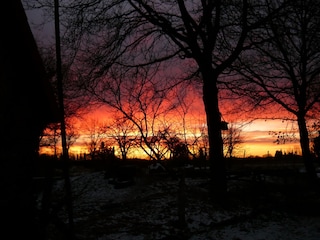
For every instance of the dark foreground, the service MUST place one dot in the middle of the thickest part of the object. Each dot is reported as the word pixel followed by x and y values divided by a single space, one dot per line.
pixel 271 204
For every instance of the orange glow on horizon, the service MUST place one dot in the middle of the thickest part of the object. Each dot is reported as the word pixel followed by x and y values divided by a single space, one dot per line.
pixel 256 138
pixel 263 149
pixel 257 142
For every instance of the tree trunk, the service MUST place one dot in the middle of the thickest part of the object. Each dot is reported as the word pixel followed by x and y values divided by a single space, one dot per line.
pixel 305 148
pixel 217 162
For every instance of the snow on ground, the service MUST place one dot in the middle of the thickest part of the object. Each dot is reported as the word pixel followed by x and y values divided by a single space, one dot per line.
pixel 149 210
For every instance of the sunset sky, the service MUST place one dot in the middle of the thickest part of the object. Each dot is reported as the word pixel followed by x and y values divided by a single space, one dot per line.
pixel 256 137
pixel 257 140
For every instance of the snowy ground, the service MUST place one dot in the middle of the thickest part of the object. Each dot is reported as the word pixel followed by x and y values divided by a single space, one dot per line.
pixel 149 210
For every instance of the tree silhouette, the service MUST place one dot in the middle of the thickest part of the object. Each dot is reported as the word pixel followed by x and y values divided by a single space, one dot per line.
pixel 95 136
pixel 232 139
pixel 201 38
pixel 284 69
pixel 121 131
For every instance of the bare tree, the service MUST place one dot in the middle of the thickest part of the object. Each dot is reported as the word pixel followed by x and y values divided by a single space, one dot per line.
pixel 232 139
pixel 207 35
pixel 289 134
pixel 95 135
pixel 138 97
pixel 284 70
pixel 122 132
pixel 72 133
pixel 50 137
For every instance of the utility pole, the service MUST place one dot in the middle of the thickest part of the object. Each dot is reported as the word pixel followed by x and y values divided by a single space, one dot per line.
pixel 65 156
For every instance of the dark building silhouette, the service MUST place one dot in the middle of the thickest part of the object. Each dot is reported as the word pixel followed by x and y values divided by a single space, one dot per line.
pixel 316 145
pixel 27 106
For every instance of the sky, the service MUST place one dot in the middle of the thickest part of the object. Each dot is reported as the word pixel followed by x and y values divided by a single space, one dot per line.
pixel 257 140
pixel 256 137
pixel 42 31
